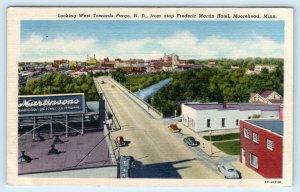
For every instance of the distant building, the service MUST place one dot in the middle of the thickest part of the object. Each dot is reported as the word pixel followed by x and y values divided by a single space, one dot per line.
pixel 157 65
pixel 189 67
pixel 212 64
pixel 118 60
pixel 267 97
pixel 235 66
pixel 63 66
pixel 207 117
pixel 132 69
pixel 56 63
pixel 261 146
pixel 258 68
pixel 78 73
pixel 72 64
pixel 250 71
pixel 107 64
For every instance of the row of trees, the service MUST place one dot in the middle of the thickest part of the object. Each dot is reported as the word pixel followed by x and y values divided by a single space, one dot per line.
pixel 210 84
pixel 59 83
pixel 215 85
pixel 249 62
pixel 138 82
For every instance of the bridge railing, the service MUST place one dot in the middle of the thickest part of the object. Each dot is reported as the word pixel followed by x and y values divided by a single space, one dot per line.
pixel 147 105
pixel 99 89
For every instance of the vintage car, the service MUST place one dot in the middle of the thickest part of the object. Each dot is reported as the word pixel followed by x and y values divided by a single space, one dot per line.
pixel 190 141
pixel 120 141
pixel 229 171
pixel 174 128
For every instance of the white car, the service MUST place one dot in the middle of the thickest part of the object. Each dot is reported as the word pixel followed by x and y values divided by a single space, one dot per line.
pixel 229 171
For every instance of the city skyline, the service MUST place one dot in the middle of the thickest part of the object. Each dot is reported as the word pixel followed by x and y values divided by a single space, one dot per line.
pixel 74 40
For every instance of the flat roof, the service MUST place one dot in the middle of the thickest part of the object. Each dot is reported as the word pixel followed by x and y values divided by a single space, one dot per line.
pixel 79 151
pixel 273 125
pixel 235 106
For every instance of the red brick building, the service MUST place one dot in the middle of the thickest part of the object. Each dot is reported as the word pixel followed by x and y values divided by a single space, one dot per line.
pixel 261 146
pixel 131 69
pixel 56 63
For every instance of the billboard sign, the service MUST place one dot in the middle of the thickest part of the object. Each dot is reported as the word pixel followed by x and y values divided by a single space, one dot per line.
pixel 58 104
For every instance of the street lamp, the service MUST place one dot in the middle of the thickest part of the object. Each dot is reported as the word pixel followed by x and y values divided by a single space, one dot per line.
pixel 210 142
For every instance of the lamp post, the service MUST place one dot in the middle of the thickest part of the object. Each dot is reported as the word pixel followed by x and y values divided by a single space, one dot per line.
pixel 210 142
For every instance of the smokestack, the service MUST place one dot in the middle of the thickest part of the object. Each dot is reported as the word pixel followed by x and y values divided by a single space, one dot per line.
pixel 94 56
pixel 224 104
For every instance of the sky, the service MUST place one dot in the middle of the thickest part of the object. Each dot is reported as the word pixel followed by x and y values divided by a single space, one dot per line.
pixel 74 40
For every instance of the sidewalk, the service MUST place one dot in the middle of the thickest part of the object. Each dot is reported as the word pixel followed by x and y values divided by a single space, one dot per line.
pixel 216 154
pixel 146 108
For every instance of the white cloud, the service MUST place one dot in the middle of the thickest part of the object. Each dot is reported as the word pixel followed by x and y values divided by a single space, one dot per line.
pixel 39 47
pixel 187 46
pixel 184 43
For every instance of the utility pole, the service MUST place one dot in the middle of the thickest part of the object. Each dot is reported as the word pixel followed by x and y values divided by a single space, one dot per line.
pixel 210 142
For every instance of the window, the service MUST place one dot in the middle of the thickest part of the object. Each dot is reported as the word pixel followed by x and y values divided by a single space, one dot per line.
pixel 246 133
pixel 237 122
pixel 208 123
pixel 249 117
pixel 253 161
pixel 255 138
pixel 223 122
pixel 270 144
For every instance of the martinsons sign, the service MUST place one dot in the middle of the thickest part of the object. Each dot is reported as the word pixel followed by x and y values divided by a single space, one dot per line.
pixel 41 105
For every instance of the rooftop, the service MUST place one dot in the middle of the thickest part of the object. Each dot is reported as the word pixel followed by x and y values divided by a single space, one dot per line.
pixel 272 125
pixel 266 93
pixel 76 152
pixel 241 107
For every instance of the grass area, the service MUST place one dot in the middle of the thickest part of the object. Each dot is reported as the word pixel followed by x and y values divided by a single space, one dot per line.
pixel 224 137
pixel 229 147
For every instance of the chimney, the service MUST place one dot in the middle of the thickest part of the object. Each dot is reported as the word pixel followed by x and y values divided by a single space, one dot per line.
pixel 224 104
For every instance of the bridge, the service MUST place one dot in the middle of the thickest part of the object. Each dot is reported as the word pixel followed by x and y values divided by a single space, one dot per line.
pixel 158 152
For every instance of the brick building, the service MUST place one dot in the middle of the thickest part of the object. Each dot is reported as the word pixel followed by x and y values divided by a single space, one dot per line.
pixel 262 146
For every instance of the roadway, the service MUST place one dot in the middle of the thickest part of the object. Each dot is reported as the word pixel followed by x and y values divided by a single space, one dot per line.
pixel 159 153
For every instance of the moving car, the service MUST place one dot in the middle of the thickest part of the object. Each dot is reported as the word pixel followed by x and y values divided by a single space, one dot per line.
pixel 229 171
pixel 190 141
pixel 174 128
pixel 120 141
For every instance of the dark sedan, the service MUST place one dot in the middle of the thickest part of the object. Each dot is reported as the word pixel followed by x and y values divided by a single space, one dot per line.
pixel 190 141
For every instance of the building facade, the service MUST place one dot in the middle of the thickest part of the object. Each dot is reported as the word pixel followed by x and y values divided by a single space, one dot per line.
pixel 268 97
pixel 210 117
pixel 261 146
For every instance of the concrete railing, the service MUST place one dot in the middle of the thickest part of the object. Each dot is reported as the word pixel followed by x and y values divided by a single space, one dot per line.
pixel 107 104
pixel 141 102
pixel 112 154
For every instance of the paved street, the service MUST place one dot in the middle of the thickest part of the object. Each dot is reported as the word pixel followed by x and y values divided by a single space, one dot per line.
pixel 160 154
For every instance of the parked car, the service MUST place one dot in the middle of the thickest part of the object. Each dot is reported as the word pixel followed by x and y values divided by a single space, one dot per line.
pixel 120 141
pixel 229 171
pixel 132 162
pixel 174 128
pixel 190 141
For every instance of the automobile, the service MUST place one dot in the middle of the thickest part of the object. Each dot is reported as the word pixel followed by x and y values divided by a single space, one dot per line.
pixel 190 141
pixel 120 141
pixel 174 128
pixel 229 171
